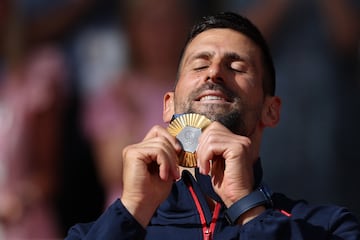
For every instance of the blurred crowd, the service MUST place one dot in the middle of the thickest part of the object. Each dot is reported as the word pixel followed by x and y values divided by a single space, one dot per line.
pixel 81 79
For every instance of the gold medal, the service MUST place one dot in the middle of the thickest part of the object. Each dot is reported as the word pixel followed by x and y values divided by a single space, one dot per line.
pixel 187 128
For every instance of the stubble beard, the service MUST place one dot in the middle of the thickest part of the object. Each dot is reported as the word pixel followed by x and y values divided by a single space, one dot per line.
pixel 233 119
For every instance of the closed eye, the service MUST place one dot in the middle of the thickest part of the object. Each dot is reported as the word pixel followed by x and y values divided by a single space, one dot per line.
pixel 238 66
pixel 200 68
pixel 200 64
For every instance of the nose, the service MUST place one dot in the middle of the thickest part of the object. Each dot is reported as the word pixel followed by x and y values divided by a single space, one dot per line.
pixel 215 73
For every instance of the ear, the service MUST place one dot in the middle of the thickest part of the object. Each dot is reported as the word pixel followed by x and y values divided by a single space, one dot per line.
pixel 168 108
pixel 271 111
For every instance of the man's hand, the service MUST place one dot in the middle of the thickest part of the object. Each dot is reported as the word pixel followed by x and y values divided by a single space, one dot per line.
pixel 229 160
pixel 149 171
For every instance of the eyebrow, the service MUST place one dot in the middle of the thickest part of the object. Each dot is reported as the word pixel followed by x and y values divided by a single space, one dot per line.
pixel 234 56
pixel 208 55
pixel 201 55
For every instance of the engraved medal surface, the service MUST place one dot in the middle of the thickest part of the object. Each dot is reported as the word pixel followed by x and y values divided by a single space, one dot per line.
pixel 188 138
pixel 187 128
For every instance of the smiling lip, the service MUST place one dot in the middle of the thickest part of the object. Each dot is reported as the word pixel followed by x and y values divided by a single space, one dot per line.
pixel 212 96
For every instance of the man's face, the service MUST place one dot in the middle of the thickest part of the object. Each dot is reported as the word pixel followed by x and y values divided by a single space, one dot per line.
pixel 221 77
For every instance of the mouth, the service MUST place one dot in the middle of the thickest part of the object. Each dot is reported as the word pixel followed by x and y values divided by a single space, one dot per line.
pixel 213 97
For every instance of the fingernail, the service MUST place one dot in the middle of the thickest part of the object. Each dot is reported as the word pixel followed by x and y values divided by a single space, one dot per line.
pixel 178 146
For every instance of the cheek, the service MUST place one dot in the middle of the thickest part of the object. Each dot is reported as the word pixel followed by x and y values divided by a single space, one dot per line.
pixel 181 99
pixel 186 85
pixel 250 92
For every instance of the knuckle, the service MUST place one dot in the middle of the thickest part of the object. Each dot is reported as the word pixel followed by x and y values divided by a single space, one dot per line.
pixel 247 142
pixel 157 128
pixel 127 151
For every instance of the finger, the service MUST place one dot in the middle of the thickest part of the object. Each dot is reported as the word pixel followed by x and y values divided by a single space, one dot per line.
pixel 217 171
pixel 168 161
pixel 217 142
pixel 151 153
pixel 158 131
pixel 160 151
pixel 212 144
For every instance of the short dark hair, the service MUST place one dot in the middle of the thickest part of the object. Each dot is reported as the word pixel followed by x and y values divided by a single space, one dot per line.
pixel 245 26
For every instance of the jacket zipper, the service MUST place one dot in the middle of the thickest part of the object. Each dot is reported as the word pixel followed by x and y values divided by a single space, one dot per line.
pixel 207 230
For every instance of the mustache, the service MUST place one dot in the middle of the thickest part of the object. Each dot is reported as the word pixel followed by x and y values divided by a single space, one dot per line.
pixel 215 87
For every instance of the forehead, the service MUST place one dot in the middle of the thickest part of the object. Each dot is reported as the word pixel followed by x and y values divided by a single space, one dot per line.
pixel 222 41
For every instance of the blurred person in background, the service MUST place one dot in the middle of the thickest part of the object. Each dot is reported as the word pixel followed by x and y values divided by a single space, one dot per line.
pixel 32 99
pixel 120 113
pixel 318 81
pixel 35 115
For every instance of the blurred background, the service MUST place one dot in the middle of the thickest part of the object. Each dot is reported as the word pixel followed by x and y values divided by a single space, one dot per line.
pixel 80 79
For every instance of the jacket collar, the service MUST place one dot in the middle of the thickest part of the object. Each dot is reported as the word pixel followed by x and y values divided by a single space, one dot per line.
pixel 204 181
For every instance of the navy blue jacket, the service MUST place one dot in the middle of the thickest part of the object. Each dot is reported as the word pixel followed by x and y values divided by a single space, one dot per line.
pixel 178 218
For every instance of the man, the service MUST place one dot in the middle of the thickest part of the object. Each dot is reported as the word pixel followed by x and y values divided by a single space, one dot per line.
pixel 226 74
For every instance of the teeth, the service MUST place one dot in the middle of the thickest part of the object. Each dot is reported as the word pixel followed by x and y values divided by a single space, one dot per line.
pixel 211 98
